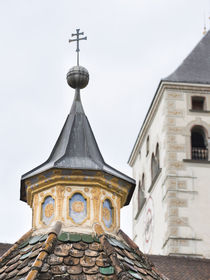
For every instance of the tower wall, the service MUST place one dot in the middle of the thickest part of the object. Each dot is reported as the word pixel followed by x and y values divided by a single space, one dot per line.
pixel 180 196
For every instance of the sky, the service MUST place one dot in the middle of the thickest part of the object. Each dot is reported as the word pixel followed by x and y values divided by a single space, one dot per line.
pixel 131 45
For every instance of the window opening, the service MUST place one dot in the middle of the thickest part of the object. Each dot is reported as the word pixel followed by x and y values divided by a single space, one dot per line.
pixel 199 144
pixel 147 146
pixel 198 103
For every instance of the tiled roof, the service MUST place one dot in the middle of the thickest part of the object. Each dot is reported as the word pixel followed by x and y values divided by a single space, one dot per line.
pixel 4 247
pixel 182 268
pixel 196 66
pixel 76 256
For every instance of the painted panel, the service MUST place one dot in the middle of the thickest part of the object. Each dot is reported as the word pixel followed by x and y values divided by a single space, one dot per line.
pixel 78 208
pixel 107 213
pixel 48 210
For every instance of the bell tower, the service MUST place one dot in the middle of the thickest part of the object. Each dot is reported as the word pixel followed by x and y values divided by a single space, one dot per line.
pixel 171 162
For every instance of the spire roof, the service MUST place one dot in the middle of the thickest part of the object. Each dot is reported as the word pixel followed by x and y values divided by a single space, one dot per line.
pixel 196 66
pixel 76 147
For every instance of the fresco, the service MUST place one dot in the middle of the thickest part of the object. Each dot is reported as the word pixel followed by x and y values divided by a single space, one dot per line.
pixel 107 213
pixel 78 208
pixel 48 209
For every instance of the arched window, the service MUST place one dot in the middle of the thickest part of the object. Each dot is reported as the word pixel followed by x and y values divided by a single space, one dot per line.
pixel 155 165
pixel 157 155
pixel 147 146
pixel 141 196
pixel 199 143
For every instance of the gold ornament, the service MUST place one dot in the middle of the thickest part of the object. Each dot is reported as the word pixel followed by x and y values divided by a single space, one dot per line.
pixel 49 210
pixel 78 206
pixel 106 214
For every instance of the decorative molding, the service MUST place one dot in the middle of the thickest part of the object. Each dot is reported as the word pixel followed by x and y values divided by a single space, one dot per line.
pixel 60 199
pixel 96 195
pixel 99 180
pixel 88 207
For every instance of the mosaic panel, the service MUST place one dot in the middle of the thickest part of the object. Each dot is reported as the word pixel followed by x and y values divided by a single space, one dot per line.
pixel 48 210
pixel 78 208
pixel 107 213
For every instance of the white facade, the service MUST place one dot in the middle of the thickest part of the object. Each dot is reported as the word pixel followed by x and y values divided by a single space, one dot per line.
pixel 174 217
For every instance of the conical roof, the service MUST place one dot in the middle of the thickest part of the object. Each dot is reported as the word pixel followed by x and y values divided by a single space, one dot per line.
pixel 76 147
pixel 196 66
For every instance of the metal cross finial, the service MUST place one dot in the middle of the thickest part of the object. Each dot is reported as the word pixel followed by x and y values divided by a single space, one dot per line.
pixel 77 40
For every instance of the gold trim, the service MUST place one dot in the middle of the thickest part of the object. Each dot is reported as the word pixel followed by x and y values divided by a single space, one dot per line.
pixel 79 180
pixel 60 199
pixel 118 211
pixel 35 209
pixel 88 207
pixel 55 207
pixel 96 197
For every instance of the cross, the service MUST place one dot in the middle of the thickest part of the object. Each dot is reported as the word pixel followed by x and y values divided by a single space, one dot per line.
pixel 77 40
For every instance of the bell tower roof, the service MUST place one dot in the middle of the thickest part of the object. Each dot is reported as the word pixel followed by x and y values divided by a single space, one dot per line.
pixel 196 66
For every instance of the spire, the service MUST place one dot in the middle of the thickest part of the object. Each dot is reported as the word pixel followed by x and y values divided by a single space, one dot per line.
pixel 76 147
pixel 196 66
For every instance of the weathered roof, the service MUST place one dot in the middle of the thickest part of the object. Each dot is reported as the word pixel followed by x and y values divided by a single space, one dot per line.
pixel 76 256
pixel 76 147
pixel 196 66
pixel 182 268
pixel 4 247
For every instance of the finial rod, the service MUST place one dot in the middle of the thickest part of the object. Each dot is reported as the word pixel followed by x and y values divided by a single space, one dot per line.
pixel 77 34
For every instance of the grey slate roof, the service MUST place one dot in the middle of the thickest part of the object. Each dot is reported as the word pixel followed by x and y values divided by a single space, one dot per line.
pixel 76 147
pixel 196 66
pixel 182 267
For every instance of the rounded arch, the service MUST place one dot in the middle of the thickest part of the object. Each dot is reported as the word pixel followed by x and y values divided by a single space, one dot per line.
pixel 140 196
pixel 199 143
pixel 187 134
pixel 143 182
pixel 157 155
pixel 155 163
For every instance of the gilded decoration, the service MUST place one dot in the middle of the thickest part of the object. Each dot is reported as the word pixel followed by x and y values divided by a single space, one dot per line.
pixel 60 198
pixel 78 208
pixel 35 209
pixel 118 209
pixel 48 210
pixel 98 181
pixel 96 195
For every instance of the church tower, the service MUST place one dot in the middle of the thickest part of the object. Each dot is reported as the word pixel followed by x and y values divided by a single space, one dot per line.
pixel 171 162
pixel 76 200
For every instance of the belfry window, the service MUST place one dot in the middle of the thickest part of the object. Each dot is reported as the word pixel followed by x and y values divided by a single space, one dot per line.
pixel 199 143
pixel 155 166
pixel 140 196
pixel 198 103
pixel 147 146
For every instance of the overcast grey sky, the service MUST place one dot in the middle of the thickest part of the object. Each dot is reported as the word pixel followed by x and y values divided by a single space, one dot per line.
pixel 131 46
